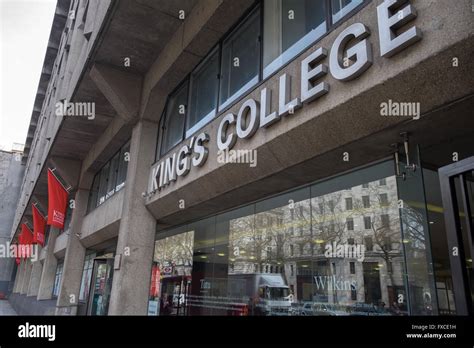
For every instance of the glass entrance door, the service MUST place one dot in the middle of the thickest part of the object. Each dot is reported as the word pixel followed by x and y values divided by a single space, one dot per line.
pixel 457 188
pixel 101 286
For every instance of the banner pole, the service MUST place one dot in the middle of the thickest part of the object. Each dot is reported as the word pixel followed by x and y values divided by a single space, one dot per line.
pixel 52 172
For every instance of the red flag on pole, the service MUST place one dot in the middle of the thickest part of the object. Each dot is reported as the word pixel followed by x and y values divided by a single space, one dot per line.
pixel 27 240
pixel 39 225
pixel 57 201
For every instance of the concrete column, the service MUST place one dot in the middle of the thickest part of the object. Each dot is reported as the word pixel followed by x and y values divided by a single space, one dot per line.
pixel 35 277
pixel 26 278
pixel 15 282
pixel 74 260
pixel 137 229
pixel 45 291
pixel 19 277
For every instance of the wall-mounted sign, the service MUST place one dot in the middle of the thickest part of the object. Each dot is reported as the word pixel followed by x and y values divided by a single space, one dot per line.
pixel 345 64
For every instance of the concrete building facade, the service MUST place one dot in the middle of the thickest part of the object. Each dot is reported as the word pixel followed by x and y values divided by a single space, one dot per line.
pixel 253 158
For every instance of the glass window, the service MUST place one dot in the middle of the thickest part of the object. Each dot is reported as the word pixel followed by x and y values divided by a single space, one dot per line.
pixel 383 199
pixel 240 60
pixel 57 279
pixel 369 244
pixel 366 201
pixel 382 182
pixel 104 180
pixel 203 93
pixel 175 115
pixel 349 203
pixel 342 7
pixel 289 27
pixel 350 224
pixel 86 277
pixel 248 262
pixel 385 220
pixel 113 173
pixel 170 286
pixel 123 166
pixel 204 257
pixel 367 222
pixel 93 194
pixel 110 178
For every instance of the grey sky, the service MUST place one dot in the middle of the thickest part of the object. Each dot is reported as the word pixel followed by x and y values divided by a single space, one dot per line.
pixel 24 32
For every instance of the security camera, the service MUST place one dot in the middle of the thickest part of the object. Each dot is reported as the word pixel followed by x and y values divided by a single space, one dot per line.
pixel 144 195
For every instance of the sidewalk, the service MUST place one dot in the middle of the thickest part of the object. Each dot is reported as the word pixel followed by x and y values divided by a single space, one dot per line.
pixel 6 308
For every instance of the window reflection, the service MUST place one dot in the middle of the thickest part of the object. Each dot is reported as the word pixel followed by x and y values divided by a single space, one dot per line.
pixel 320 250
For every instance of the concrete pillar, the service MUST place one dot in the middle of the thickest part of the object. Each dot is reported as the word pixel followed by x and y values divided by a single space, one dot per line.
pixel 68 297
pixel 35 277
pixel 46 286
pixel 137 229
pixel 19 277
pixel 15 282
pixel 26 278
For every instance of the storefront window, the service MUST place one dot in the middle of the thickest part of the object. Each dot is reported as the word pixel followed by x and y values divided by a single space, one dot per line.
pixel 290 26
pixel 298 253
pixel 416 240
pixel 170 283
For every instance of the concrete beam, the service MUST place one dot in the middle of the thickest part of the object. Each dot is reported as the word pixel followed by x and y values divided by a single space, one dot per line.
pixel 199 32
pixel 122 89
pixel 68 169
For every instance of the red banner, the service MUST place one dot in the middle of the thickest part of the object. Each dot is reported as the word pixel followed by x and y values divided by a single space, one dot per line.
pixel 26 239
pixel 39 225
pixel 57 202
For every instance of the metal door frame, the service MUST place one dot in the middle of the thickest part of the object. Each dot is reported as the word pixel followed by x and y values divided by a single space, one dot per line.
pixel 462 292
